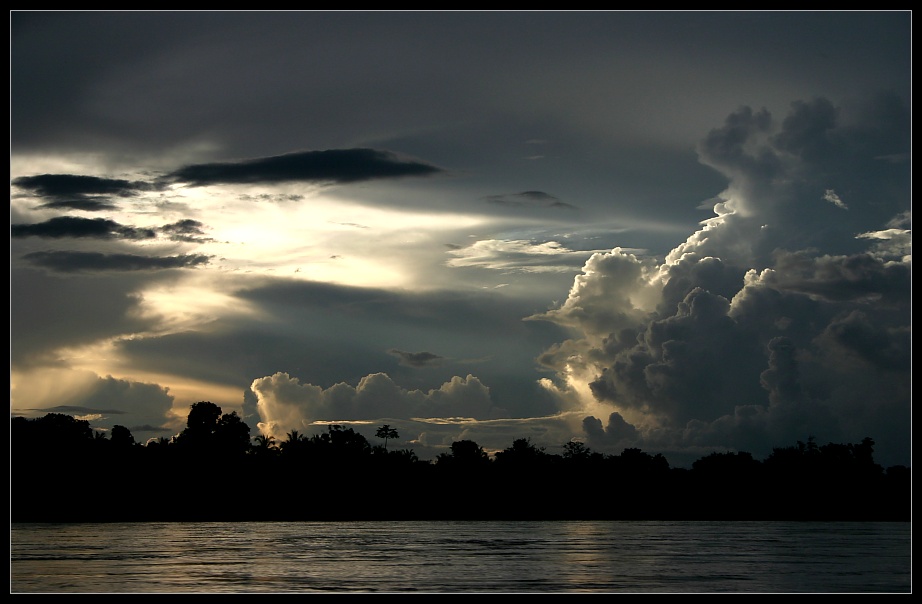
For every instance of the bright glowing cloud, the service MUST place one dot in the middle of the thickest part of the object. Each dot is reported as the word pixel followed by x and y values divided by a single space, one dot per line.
pixel 285 404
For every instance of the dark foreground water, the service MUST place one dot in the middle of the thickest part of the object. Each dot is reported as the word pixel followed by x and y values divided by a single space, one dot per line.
pixel 461 557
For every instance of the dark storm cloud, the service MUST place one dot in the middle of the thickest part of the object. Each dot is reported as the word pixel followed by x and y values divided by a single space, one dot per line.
pixel 764 331
pixel 390 72
pixel 86 205
pixel 618 434
pixel 49 310
pixel 416 359
pixel 880 346
pixel 71 226
pixel 76 185
pixel 854 277
pixel 784 174
pixel 538 199
pixel 673 368
pixel 79 192
pixel 330 166
pixel 70 262
pixel 187 230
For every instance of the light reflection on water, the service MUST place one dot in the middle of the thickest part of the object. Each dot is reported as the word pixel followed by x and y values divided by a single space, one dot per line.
pixel 454 557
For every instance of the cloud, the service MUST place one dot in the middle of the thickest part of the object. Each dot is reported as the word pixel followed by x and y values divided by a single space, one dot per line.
pixel 834 199
pixel 535 199
pixel 320 332
pixel 416 359
pixel 71 226
pixel 354 225
pixel 330 166
pixel 615 436
pixel 285 404
pixel 187 230
pixel 79 192
pixel 517 256
pixel 276 197
pixel 83 204
pixel 104 401
pixel 78 410
pixel 745 336
pixel 895 241
pixel 779 176
pixel 70 262
pixel 859 278
pixel 612 293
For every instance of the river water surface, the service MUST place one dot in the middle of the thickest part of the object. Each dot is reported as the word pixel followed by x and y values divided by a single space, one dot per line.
pixel 462 557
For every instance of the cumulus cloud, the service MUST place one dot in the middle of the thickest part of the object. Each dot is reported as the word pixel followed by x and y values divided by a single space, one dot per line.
pixel 330 166
pixel 769 324
pixel 285 404
pixel 612 293
pixel 616 435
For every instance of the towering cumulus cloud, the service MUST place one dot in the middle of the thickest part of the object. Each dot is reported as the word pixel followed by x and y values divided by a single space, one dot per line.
pixel 785 316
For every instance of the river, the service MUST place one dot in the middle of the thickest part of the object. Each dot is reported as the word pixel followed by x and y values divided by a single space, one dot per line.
pixel 462 557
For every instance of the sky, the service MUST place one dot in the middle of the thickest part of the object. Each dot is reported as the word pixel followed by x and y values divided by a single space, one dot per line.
pixel 683 232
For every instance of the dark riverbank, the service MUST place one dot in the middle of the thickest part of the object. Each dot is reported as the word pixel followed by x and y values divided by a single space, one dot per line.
pixel 61 472
pixel 244 489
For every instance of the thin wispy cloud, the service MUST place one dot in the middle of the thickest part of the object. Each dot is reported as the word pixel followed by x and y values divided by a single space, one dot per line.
pixel 537 199
pixel 416 359
pixel 834 199
pixel 517 255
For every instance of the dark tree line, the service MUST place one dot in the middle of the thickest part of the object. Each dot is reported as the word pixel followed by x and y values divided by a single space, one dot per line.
pixel 62 470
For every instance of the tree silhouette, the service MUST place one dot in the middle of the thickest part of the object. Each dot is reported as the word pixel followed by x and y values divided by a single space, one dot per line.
pixel 231 434
pixel 203 417
pixel 801 482
pixel 522 455
pixel 345 443
pixel 386 432
pixel 464 453
pixel 265 444
pixel 293 444
pixel 209 432
pixel 576 451
pixel 121 436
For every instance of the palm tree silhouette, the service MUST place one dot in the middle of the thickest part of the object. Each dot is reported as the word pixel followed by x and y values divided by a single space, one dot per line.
pixel 264 443
pixel 386 432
